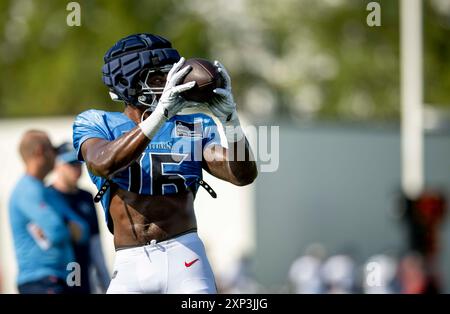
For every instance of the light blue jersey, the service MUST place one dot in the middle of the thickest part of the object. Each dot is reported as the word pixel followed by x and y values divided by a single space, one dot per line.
pixel 33 204
pixel 171 163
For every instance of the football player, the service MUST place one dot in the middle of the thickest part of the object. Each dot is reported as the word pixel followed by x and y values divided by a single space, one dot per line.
pixel 147 163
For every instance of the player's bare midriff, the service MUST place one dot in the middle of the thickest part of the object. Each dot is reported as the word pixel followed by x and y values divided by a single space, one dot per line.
pixel 138 219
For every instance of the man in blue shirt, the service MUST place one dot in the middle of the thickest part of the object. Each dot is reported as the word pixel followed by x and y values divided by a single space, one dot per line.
pixel 89 254
pixel 43 226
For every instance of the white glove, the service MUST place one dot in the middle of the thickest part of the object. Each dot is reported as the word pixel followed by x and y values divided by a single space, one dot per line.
pixel 170 102
pixel 224 107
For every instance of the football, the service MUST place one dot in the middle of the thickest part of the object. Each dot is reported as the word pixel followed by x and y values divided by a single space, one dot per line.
pixel 206 77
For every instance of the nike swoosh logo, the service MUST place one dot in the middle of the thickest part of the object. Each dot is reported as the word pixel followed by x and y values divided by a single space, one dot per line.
pixel 190 263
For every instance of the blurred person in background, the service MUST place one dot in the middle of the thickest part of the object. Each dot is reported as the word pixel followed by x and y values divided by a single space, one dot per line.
pixel 413 274
pixel 43 226
pixel 88 254
pixel 423 217
pixel 304 274
pixel 381 275
pixel 238 279
pixel 338 274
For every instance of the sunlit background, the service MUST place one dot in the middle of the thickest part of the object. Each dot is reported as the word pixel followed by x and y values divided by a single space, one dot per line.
pixel 312 67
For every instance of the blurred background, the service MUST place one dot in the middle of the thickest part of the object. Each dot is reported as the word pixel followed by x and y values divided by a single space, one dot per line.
pixel 333 217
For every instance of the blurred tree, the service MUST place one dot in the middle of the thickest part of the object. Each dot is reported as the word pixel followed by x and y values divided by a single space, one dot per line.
pixel 437 52
pixel 302 58
pixel 49 68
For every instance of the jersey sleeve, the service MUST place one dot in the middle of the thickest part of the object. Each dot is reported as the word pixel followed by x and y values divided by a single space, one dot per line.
pixel 211 133
pixel 89 124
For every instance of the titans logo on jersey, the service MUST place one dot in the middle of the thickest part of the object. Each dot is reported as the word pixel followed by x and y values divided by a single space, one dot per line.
pixel 171 163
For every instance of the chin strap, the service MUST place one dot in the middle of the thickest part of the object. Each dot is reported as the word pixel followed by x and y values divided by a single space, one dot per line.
pixel 143 100
pixel 146 110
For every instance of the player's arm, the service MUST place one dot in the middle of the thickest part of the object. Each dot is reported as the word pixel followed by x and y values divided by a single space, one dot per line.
pixel 236 163
pixel 105 158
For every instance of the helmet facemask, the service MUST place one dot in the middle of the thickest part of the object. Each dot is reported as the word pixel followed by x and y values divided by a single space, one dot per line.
pixel 151 85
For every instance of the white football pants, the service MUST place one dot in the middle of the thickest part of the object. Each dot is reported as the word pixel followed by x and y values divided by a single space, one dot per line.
pixel 177 265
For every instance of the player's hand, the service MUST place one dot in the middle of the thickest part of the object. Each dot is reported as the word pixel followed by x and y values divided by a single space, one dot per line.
pixel 171 102
pixel 223 105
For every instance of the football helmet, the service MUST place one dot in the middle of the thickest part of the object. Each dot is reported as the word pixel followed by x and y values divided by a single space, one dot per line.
pixel 130 64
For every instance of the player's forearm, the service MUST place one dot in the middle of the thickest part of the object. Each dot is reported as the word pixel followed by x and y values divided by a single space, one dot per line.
pixel 235 164
pixel 241 162
pixel 107 158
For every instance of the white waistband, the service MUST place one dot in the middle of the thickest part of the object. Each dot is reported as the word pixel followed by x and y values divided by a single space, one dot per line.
pixel 161 246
